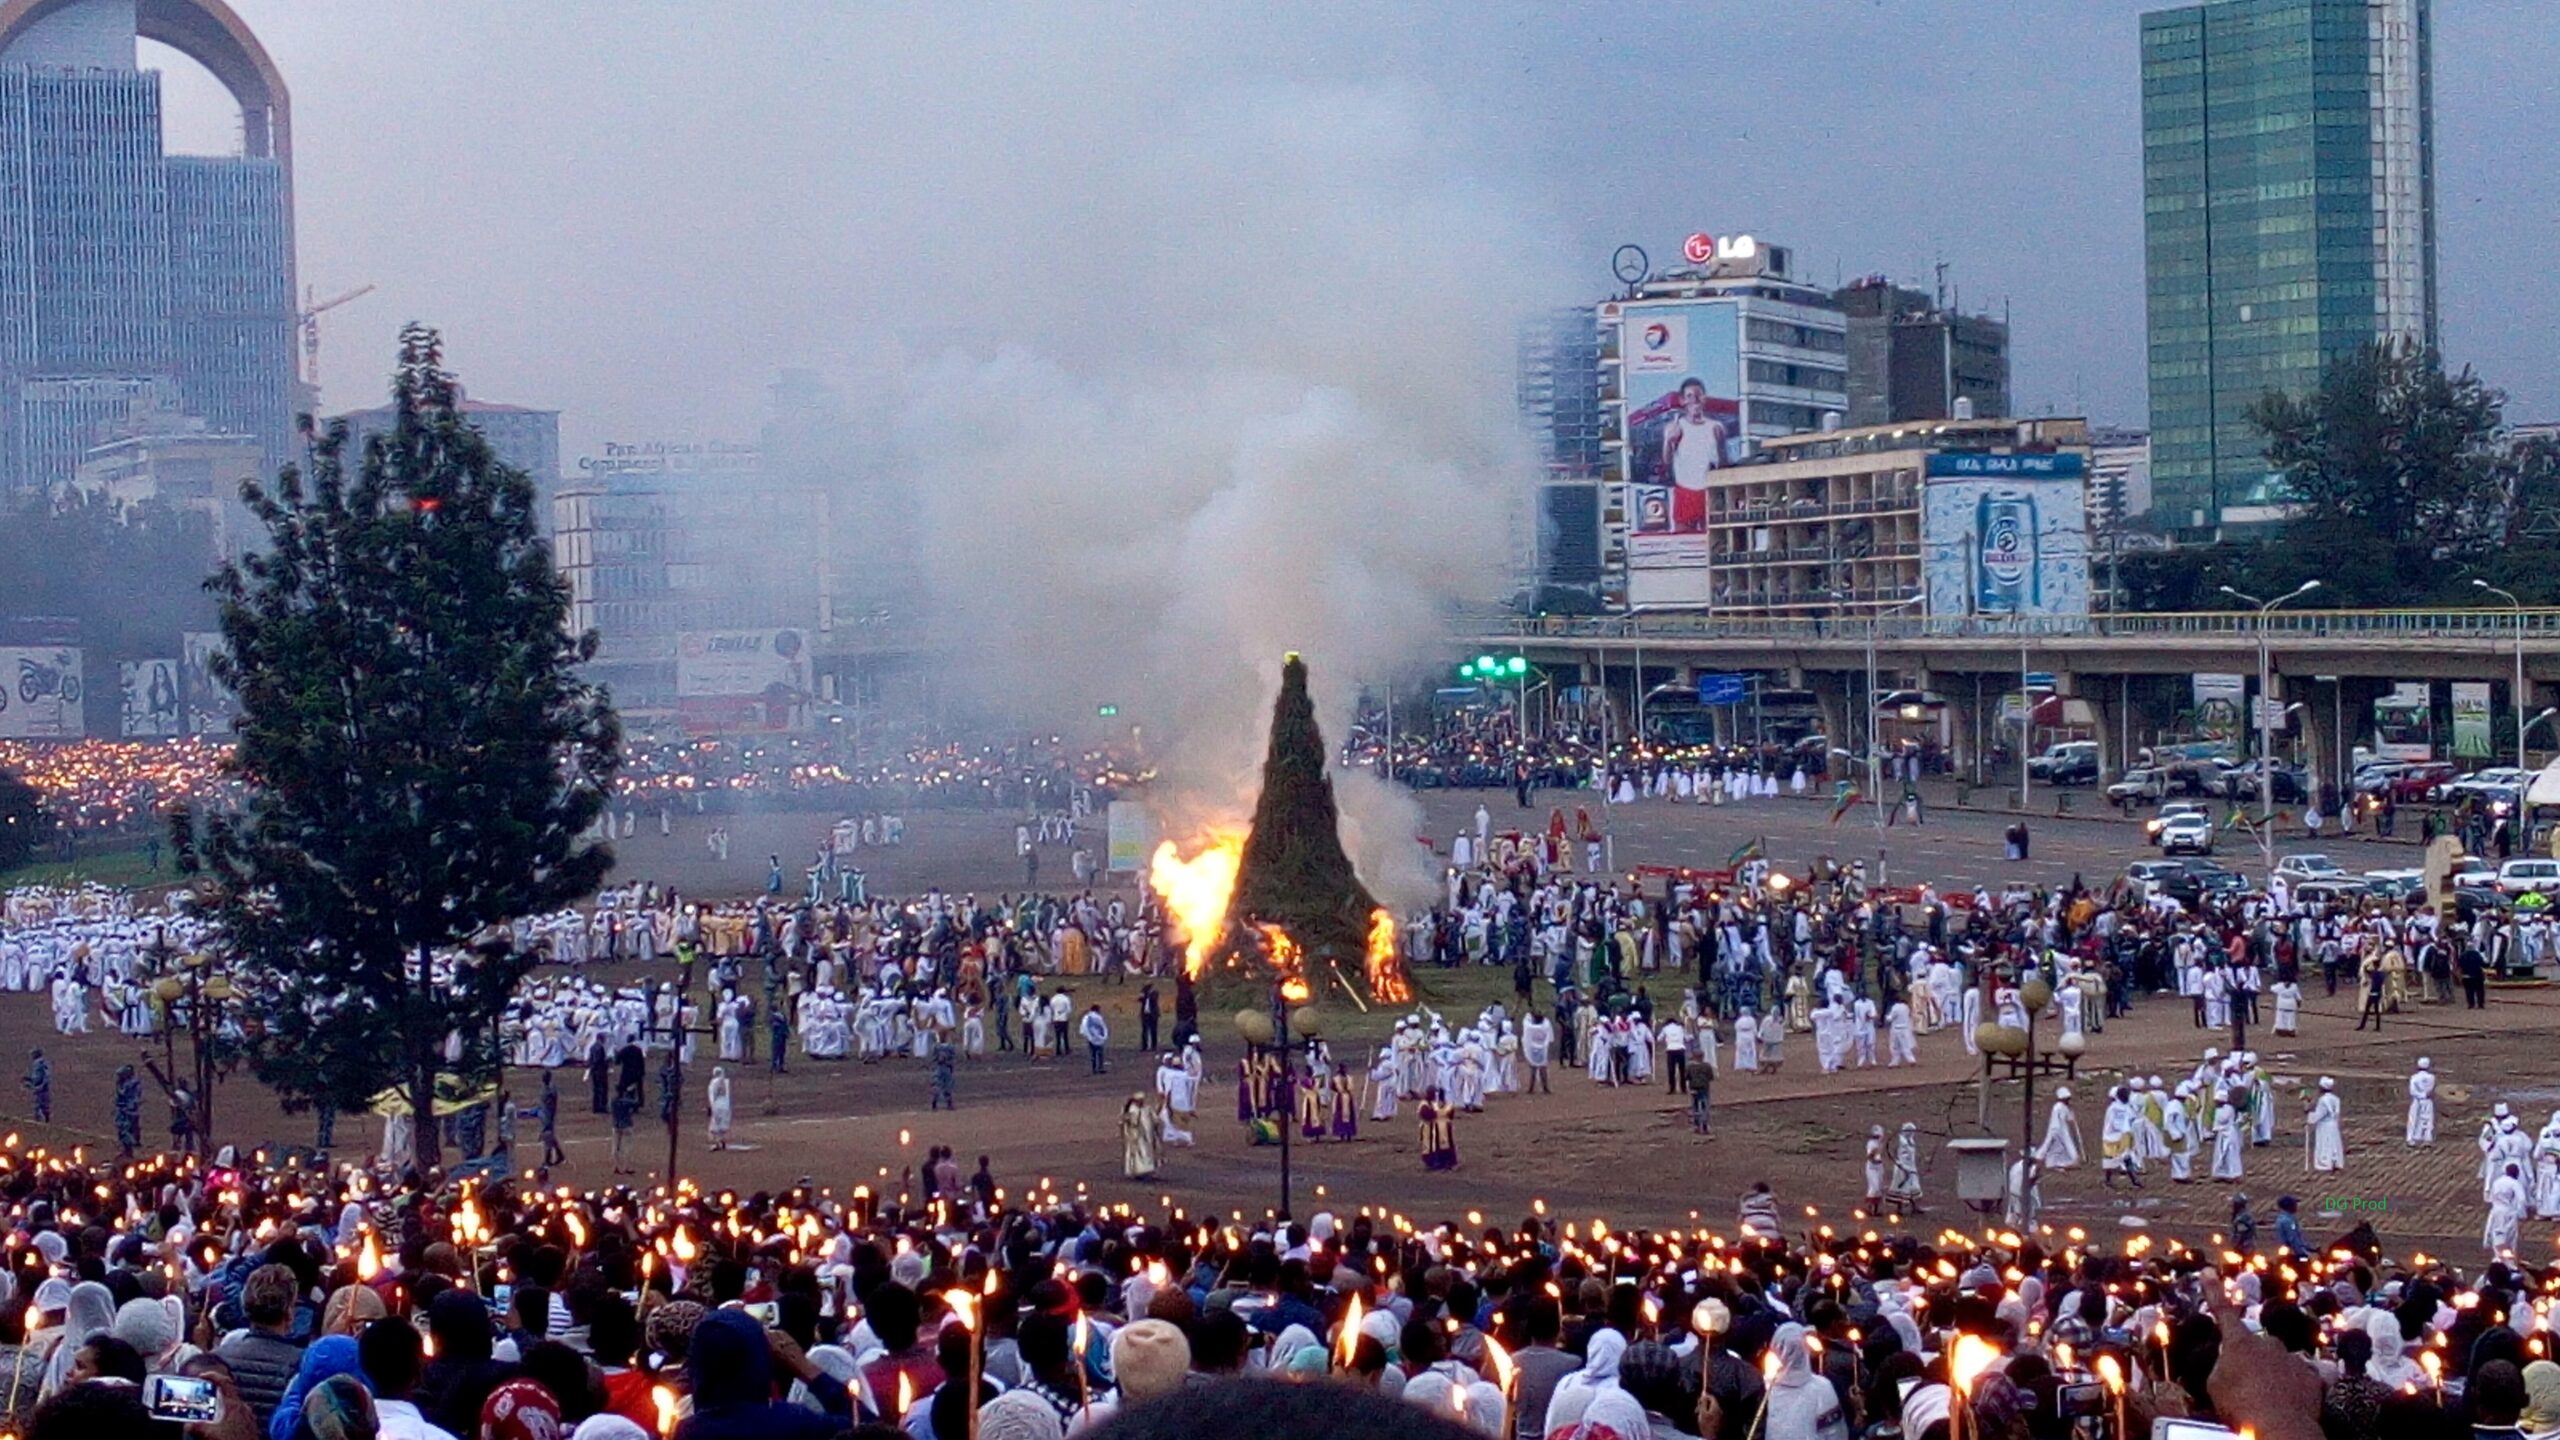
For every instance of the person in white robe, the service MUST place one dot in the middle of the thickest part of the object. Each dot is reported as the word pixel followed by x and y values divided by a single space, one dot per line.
pixel 2324 1140
pixel 2061 1147
pixel 2421 1126
pixel 2118 1149
pixel 2546 1170
pixel 2180 1122
pixel 1902 1041
pixel 718 1095
pixel 2506 1212
pixel 1382 1086
pixel 1746 1043
pixel 2227 1145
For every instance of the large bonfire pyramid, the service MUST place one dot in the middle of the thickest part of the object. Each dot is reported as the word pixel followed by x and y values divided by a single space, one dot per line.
pixel 1294 873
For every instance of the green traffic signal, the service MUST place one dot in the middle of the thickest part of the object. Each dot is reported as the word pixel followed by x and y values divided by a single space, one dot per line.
pixel 1519 665
pixel 1106 711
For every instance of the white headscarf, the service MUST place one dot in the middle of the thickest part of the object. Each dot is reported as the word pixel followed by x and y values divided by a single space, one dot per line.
pixel 1576 1392
pixel 91 1311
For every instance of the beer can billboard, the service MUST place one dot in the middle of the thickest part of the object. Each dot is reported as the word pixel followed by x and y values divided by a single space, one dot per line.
pixel 2005 537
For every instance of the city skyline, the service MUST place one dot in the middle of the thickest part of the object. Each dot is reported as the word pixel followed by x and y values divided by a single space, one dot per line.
pixel 652 286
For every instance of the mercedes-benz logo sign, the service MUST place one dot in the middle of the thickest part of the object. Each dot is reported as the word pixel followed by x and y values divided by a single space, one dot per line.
pixel 1631 264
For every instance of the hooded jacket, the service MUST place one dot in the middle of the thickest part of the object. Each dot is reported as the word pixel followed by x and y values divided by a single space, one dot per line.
pixel 730 1366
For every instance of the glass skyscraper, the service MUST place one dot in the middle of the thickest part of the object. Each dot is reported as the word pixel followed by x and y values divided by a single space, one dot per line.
pixel 127 274
pixel 2289 216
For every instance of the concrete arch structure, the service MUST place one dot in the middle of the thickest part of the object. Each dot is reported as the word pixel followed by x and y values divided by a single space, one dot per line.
pixel 208 32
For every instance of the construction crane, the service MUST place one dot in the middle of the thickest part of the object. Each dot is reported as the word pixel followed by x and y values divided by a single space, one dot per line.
pixel 312 310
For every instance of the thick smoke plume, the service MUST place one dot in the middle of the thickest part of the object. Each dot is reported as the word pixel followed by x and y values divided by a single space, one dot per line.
pixel 1249 392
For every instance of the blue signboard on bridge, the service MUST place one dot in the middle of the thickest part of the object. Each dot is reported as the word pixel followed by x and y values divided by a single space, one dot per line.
pixel 1723 689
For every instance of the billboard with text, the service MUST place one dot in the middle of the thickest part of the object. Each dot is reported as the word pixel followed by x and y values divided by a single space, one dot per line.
pixel 743 679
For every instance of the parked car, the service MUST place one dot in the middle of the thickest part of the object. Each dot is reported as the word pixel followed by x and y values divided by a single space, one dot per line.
pixel 2138 785
pixel 2206 879
pixel 2147 878
pixel 2340 890
pixel 2066 762
pixel 2375 778
pixel 2414 783
pixel 2518 877
pixel 2240 782
pixel 2403 885
pixel 2470 871
pixel 2309 867
pixel 2495 777
pixel 2187 834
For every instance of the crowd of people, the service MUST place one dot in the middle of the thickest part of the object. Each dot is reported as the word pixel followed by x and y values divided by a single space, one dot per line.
pixel 124 786
pixel 353 1303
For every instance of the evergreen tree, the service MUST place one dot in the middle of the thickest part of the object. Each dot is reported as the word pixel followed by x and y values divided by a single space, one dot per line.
pixel 1294 873
pixel 421 758
pixel 2391 460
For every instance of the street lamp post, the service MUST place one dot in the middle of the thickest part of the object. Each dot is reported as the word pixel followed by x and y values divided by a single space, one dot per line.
pixel 2518 694
pixel 2266 741
pixel 1875 752
pixel 1286 1033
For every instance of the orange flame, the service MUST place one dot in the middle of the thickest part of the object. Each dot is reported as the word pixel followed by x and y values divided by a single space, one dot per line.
pixel 1385 965
pixel 1196 892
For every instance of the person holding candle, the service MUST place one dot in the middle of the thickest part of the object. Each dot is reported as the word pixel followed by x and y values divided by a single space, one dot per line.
pixel 731 1364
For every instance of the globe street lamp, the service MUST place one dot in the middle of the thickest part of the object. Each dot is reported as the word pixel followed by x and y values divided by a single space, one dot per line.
pixel 1286 1033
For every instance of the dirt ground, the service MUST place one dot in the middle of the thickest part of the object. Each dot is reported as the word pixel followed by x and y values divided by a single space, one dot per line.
pixel 1585 1150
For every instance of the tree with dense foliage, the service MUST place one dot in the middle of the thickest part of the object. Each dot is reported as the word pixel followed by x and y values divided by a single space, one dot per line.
pixel 421 758
pixel 25 823
pixel 2405 484
pixel 130 574
pixel 2392 461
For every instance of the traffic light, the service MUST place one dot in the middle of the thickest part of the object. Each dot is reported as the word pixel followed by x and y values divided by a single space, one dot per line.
pixel 1518 665
pixel 1106 711
pixel 1467 671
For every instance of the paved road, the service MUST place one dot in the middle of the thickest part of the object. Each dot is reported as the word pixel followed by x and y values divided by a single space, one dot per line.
pixel 1953 847
pixel 973 850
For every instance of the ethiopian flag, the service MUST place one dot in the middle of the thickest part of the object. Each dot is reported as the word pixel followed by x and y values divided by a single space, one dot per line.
pixel 1743 854
pixel 1842 799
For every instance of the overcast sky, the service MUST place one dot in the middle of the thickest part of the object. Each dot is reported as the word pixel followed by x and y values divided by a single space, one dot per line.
pixel 638 211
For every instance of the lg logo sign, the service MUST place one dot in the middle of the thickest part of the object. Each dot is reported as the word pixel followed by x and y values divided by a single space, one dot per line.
pixel 1703 248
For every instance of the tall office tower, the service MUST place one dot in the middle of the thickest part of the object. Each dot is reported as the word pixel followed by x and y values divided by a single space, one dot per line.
pixel 2289 205
pixel 123 269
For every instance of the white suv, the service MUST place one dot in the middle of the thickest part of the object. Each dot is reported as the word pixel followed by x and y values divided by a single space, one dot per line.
pixel 2520 877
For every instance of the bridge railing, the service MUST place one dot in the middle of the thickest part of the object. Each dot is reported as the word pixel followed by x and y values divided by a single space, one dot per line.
pixel 2472 624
